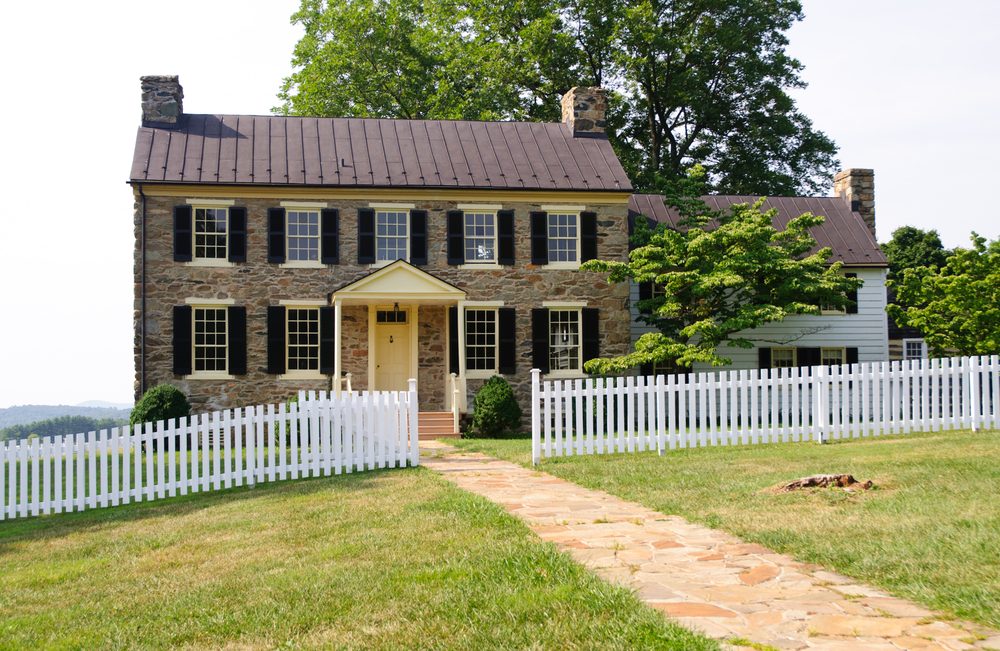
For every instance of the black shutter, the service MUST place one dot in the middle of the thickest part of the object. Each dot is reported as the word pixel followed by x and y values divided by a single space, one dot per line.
pixel 237 340
pixel 275 339
pixel 539 238
pixel 330 236
pixel 182 340
pixel 456 237
pixel 182 233
pixel 327 340
pixel 591 334
pixel 540 339
pixel 807 356
pixel 852 296
pixel 647 370
pixel 453 342
pixel 237 234
pixel 764 357
pixel 366 236
pixel 507 339
pixel 645 293
pixel 852 355
pixel 276 235
pixel 505 237
pixel 588 236
pixel 418 237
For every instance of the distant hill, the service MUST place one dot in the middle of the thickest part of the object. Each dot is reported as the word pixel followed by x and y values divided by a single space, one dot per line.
pixel 23 414
pixel 105 403
pixel 59 426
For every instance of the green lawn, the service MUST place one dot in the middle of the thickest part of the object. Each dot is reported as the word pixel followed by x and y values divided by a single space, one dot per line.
pixel 930 531
pixel 395 559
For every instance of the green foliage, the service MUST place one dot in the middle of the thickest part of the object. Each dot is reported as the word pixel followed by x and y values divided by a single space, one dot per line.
pixel 956 306
pixel 162 402
pixel 912 247
pixel 722 273
pixel 59 426
pixel 691 81
pixel 495 413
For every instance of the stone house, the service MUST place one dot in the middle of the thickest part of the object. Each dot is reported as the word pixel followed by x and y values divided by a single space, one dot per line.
pixel 275 254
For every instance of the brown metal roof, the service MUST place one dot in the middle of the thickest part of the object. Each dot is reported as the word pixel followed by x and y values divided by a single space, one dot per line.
pixel 844 230
pixel 351 152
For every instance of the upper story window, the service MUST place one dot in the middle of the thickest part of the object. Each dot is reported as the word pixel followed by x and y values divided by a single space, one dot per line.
pixel 565 352
pixel 563 237
pixel 303 235
pixel 391 235
pixel 302 339
pixel 211 233
pixel 480 237
pixel 783 358
pixel 210 344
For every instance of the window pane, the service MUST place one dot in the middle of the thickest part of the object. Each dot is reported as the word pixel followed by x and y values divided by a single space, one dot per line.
pixel 210 340
pixel 562 237
pixel 392 236
pixel 782 358
pixel 480 338
pixel 303 339
pixel 210 232
pixel 564 339
pixel 480 238
pixel 302 228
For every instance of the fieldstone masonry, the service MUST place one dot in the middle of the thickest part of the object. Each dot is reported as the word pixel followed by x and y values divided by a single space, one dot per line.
pixel 857 187
pixel 256 284
pixel 162 99
pixel 584 109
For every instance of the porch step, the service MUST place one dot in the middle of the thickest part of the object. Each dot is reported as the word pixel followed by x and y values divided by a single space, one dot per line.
pixel 436 425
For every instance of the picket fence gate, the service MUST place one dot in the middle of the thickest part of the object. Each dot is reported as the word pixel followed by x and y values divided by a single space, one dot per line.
pixel 820 403
pixel 322 434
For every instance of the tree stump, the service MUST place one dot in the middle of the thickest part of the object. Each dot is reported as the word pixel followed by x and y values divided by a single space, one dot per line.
pixel 847 482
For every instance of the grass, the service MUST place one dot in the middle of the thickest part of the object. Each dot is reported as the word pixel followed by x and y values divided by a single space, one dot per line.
pixel 929 531
pixel 396 559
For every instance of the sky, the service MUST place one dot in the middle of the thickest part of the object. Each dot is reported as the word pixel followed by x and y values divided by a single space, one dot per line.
pixel 907 87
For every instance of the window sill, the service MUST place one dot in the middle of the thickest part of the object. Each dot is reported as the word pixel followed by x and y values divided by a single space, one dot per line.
pixel 210 376
pixel 567 375
pixel 208 262
pixel 833 313
pixel 481 265
pixel 386 263
pixel 302 264
pixel 479 374
pixel 302 376
pixel 562 265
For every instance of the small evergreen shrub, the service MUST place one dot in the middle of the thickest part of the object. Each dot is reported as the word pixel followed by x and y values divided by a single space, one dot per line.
pixel 162 402
pixel 496 413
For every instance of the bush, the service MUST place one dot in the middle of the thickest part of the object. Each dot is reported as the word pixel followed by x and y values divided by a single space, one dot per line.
pixel 162 402
pixel 496 413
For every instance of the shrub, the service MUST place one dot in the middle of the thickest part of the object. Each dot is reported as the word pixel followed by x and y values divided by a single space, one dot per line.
pixel 162 402
pixel 496 413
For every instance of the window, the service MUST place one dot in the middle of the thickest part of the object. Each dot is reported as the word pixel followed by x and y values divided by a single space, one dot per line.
pixel 563 240
pixel 390 316
pixel 564 340
pixel 831 356
pixel 914 349
pixel 210 339
pixel 302 339
pixel 832 309
pixel 480 237
pixel 391 235
pixel 210 233
pixel 481 340
pixel 303 235
pixel 783 357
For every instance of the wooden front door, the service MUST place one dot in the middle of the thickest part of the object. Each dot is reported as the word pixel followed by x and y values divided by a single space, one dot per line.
pixel 392 352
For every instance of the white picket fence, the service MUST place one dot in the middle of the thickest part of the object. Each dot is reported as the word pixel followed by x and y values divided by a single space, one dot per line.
pixel 321 435
pixel 629 414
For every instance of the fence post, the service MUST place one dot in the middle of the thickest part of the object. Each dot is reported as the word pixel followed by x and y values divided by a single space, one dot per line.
pixel 414 424
pixel 821 415
pixel 536 418
pixel 974 404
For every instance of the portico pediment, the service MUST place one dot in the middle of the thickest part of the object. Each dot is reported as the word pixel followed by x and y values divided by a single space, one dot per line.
pixel 399 282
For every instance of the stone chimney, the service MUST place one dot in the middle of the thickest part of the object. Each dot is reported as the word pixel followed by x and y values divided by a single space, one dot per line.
pixel 857 187
pixel 584 109
pixel 162 99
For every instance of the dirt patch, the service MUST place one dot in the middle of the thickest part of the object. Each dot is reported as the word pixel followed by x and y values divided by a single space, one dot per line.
pixel 843 481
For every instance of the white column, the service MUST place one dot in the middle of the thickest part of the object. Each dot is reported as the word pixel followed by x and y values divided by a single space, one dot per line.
pixel 461 340
pixel 337 313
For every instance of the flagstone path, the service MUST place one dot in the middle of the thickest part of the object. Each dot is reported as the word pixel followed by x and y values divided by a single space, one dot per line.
pixel 703 578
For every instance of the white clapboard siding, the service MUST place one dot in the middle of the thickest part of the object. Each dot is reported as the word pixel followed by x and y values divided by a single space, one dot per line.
pixel 745 407
pixel 320 435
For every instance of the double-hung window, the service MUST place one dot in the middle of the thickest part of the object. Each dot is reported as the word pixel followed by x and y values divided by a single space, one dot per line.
pixel 480 237
pixel 565 352
pixel 831 356
pixel 303 237
pixel 481 340
pixel 392 235
pixel 914 349
pixel 783 358
pixel 211 233
pixel 302 340
pixel 210 344
pixel 563 237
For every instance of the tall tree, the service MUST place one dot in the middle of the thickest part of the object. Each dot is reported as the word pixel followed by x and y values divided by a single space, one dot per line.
pixel 956 306
pixel 911 247
pixel 692 81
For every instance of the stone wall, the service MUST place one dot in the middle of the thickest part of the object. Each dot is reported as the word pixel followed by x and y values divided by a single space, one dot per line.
pixel 256 284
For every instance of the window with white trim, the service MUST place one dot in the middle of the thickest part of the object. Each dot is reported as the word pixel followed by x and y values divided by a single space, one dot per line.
pixel 303 235
pixel 481 339
pixel 211 233
pixel 480 236
pixel 211 339
pixel 914 349
pixel 565 352
pixel 564 237
pixel 831 356
pixel 783 357
pixel 302 339
pixel 392 235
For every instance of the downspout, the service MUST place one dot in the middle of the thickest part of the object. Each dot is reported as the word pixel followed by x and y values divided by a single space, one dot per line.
pixel 142 294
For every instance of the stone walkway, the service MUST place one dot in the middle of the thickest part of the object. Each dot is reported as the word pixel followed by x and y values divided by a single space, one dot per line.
pixel 703 578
